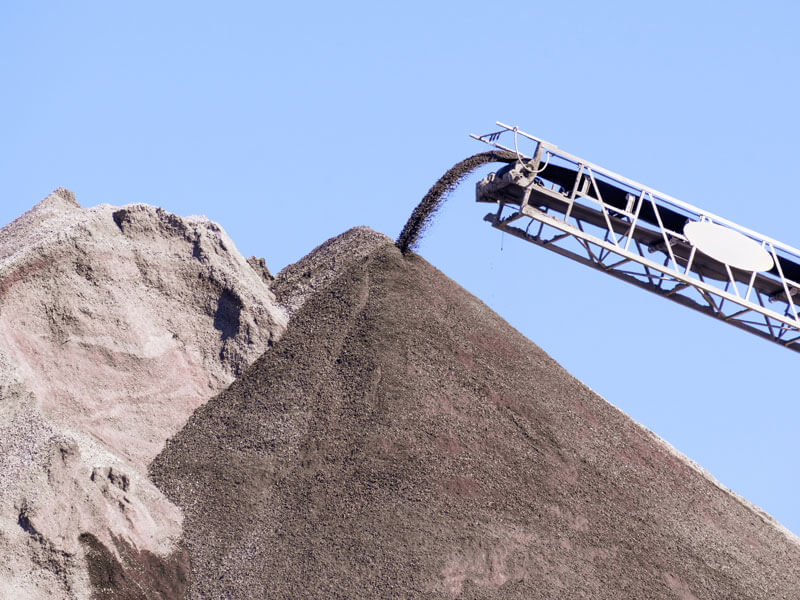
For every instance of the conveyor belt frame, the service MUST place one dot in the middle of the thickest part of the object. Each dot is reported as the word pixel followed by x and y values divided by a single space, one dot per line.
pixel 586 229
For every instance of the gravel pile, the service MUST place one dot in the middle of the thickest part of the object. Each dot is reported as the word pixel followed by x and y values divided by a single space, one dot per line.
pixel 115 324
pixel 398 439
pixel 402 440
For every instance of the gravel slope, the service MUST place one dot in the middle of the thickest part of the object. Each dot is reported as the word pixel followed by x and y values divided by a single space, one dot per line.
pixel 402 440
pixel 115 324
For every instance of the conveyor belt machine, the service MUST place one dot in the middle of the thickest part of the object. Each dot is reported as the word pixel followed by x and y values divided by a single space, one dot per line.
pixel 608 222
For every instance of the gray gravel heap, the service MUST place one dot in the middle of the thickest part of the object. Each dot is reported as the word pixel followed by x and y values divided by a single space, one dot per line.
pixel 402 441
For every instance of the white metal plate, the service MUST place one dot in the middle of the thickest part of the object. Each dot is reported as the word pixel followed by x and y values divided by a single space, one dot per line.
pixel 728 246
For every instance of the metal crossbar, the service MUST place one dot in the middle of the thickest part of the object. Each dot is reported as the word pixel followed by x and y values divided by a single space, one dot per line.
pixel 636 240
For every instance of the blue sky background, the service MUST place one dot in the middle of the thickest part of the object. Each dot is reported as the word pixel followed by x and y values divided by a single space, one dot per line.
pixel 288 123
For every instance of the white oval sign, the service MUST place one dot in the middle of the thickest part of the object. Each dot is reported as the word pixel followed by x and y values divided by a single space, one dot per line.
pixel 728 246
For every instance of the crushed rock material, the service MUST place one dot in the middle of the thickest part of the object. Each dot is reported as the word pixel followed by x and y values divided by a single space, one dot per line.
pixel 115 324
pixel 402 440
pixel 299 281
pixel 423 213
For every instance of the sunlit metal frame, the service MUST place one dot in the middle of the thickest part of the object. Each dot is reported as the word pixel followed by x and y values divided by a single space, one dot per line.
pixel 610 243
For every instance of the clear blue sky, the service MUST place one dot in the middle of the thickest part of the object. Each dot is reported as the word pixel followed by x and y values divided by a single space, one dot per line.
pixel 290 122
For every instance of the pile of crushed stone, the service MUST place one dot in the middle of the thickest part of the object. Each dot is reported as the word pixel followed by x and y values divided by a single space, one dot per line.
pixel 116 323
pixel 402 440
pixel 176 422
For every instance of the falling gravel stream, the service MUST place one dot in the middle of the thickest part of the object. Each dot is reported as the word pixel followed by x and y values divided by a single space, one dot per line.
pixel 422 214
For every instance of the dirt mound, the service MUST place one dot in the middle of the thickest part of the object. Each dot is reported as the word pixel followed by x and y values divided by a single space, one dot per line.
pixel 115 324
pixel 402 440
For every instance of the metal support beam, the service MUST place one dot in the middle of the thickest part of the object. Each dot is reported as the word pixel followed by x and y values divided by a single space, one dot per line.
pixel 620 239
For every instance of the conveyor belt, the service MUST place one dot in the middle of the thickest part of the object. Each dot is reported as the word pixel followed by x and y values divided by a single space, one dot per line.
pixel 630 231
pixel 618 197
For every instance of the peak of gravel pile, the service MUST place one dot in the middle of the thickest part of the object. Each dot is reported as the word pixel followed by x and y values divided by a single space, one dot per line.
pixel 116 323
pixel 299 281
pixel 402 440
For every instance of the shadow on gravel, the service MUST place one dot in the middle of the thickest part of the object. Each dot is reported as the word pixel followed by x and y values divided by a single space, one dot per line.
pixel 141 575
pixel 229 310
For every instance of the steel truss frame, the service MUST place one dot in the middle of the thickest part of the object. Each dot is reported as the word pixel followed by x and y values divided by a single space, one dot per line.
pixel 578 224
